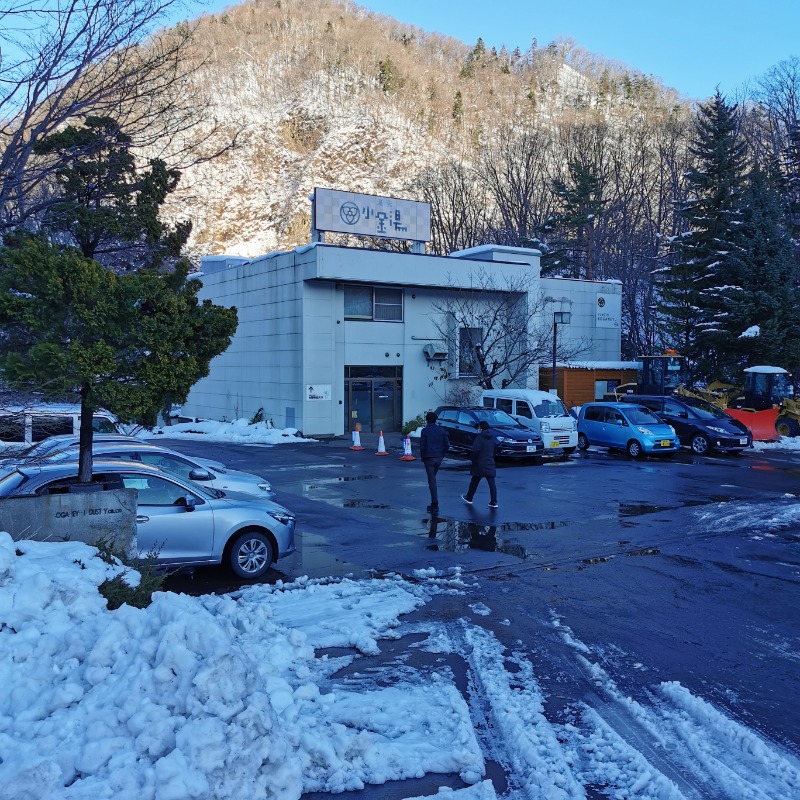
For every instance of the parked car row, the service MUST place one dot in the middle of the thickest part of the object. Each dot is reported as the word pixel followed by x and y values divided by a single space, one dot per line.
pixel 233 519
pixel 636 424
pixel 650 424
pixel 178 522
pixel 200 470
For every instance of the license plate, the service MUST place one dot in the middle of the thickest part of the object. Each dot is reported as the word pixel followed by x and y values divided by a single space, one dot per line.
pixel 742 441
pixel 531 448
pixel 554 444
pixel 665 442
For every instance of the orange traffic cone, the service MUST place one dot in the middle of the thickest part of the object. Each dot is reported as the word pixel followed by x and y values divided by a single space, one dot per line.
pixel 407 456
pixel 381 446
pixel 356 441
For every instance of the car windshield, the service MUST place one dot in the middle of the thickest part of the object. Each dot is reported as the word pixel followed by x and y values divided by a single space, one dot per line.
pixel 550 408
pixel 497 418
pixel 639 415
pixel 703 409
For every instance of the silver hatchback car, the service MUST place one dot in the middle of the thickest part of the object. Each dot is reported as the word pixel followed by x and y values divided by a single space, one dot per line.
pixel 180 522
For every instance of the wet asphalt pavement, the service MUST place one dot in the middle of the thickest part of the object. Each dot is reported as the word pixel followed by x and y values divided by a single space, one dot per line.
pixel 684 569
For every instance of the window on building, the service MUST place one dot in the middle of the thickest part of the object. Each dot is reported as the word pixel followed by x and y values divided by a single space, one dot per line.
pixel 468 340
pixel 372 302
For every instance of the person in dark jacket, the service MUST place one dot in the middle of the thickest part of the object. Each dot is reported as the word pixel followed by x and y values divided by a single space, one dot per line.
pixel 433 445
pixel 483 466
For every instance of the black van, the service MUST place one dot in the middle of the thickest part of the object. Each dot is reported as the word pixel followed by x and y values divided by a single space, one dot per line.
pixel 700 425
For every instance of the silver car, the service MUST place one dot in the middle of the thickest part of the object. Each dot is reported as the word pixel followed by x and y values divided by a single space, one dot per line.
pixel 182 523
pixel 199 470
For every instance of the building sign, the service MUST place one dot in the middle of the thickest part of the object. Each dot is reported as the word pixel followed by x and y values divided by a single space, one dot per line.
pixel 369 215
pixel 608 310
pixel 318 391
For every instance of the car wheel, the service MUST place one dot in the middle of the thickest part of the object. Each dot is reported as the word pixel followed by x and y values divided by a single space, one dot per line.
pixel 786 426
pixel 583 442
pixel 633 449
pixel 700 444
pixel 250 555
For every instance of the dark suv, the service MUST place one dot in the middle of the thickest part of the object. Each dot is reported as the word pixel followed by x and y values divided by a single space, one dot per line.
pixel 512 439
pixel 701 426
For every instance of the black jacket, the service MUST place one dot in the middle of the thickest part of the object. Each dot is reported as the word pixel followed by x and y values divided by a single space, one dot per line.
pixel 482 455
pixel 433 442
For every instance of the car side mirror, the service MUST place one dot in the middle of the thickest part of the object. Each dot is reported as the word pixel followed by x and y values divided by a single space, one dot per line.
pixel 200 475
pixel 188 501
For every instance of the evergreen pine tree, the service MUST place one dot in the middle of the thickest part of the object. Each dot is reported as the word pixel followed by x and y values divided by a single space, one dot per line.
pixel 109 206
pixel 759 308
pixel 569 234
pixel 696 288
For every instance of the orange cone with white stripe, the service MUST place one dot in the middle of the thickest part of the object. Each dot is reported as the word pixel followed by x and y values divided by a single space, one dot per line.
pixel 407 456
pixel 356 441
pixel 381 446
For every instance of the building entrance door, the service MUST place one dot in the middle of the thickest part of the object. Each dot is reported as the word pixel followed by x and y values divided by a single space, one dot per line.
pixel 373 397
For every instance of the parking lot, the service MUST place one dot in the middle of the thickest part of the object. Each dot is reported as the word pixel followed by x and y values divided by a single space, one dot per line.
pixel 686 566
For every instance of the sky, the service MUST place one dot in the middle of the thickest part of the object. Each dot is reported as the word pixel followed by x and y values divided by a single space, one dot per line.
pixel 693 46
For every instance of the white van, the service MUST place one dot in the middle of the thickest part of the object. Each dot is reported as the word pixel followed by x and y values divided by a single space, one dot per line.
pixel 24 425
pixel 542 411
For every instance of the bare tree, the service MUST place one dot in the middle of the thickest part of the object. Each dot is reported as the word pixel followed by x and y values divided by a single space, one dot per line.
pixel 517 172
pixel 497 334
pixel 61 60
pixel 461 215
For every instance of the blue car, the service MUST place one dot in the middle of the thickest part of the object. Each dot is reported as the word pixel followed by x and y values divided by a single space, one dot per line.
pixel 625 426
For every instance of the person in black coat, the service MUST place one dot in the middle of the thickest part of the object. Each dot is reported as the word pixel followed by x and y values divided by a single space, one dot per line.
pixel 433 445
pixel 483 466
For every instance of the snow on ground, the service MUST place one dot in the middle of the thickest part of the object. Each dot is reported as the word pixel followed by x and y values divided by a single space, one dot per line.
pixel 235 696
pixel 783 443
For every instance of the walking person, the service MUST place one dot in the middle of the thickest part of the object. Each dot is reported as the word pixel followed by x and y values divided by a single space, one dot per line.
pixel 433 445
pixel 483 466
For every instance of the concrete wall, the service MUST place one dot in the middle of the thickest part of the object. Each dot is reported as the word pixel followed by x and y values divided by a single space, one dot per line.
pixel 85 517
pixel 589 322
pixel 293 342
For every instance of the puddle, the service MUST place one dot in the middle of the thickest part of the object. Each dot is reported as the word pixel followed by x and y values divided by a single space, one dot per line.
pixel 453 536
pixel 321 483
pixel 637 509
pixel 363 504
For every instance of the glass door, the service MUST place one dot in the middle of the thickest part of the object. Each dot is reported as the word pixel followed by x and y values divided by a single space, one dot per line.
pixel 360 404
pixel 373 397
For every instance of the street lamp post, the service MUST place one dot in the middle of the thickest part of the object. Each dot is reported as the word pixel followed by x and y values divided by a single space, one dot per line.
pixel 559 318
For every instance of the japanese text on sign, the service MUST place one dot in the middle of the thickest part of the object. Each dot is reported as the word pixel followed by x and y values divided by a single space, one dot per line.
pixel 368 215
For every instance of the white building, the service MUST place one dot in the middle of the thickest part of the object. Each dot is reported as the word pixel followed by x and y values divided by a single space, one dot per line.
pixel 329 336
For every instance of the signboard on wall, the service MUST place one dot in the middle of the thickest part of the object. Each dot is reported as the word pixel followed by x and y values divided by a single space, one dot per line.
pixel 318 391
pixel 370 215
pixel 608 310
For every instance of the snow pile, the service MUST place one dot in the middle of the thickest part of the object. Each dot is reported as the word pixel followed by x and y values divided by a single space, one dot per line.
pixel 241 431
pixel 214 697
